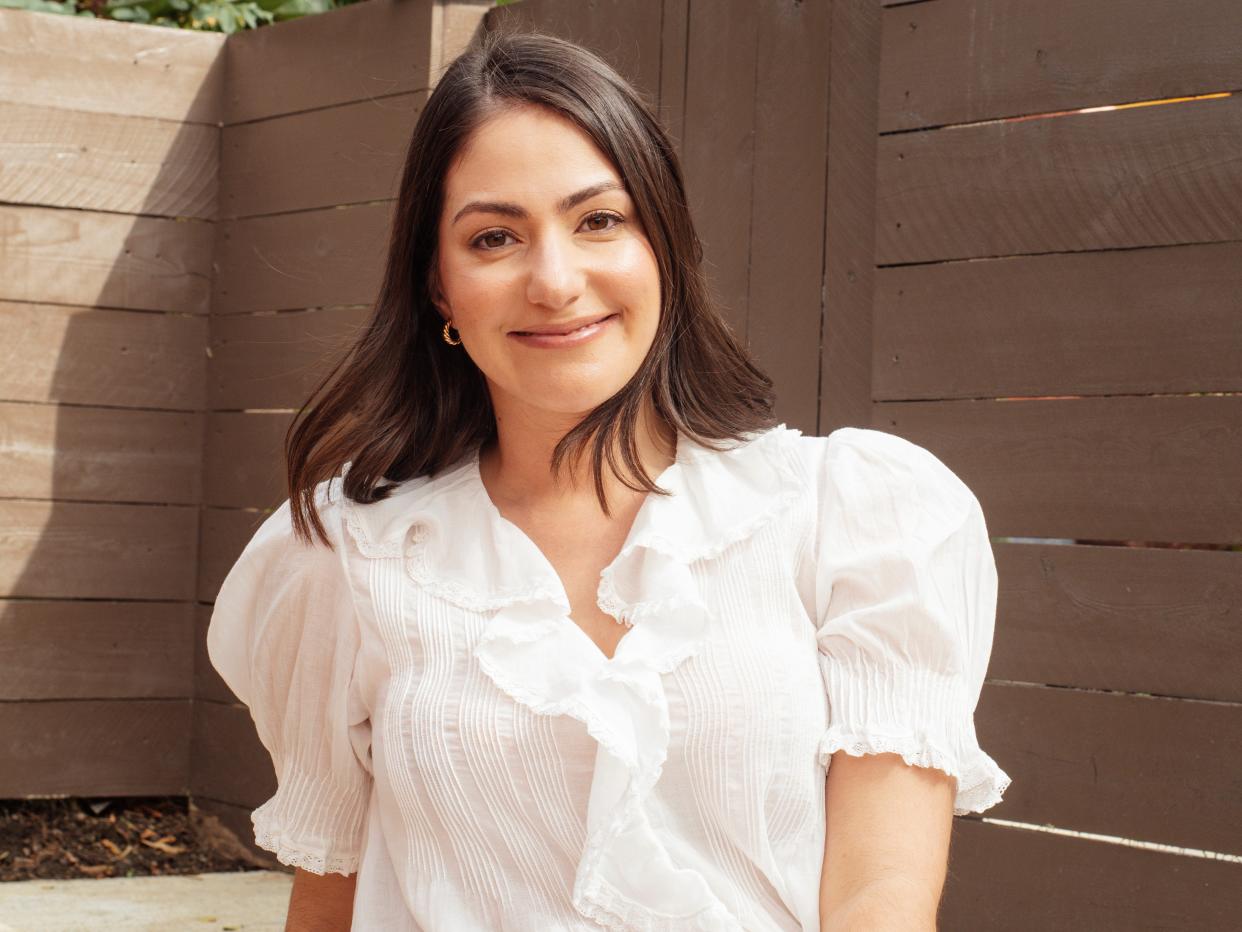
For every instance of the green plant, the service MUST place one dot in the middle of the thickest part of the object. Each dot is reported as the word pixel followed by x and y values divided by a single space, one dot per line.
pixel 207 15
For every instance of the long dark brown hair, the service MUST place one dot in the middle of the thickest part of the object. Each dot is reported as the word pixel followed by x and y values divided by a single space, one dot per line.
pixel 403 403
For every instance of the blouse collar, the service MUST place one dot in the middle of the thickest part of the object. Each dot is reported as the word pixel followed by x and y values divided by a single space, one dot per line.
pixel 456 541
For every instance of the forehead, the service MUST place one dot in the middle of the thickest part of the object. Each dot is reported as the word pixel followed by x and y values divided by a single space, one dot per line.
pixel 525 151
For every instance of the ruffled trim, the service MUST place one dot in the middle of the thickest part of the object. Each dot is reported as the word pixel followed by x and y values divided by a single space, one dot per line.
pixel 536 654
pixel 270 835
pixel 423 519
pixel 980 785
pixel 457 546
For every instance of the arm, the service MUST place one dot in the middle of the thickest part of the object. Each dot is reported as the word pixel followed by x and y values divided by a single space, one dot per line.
pixel 886 845
pixel 320 903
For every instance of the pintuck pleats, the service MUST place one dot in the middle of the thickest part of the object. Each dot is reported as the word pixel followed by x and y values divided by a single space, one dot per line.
pixel 534 652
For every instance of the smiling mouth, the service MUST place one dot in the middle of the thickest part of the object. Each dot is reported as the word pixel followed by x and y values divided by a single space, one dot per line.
pixel 561 333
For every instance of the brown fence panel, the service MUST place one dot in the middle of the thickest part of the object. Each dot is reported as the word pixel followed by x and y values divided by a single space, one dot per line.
pixel 95 747
pixel 1030 881
pixel 1114 322
pixel 1148 176
pixel 962 62
pixel 1157 468
pixel 95 650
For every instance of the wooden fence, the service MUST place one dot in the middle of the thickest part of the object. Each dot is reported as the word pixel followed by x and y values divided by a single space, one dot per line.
pixel 907 213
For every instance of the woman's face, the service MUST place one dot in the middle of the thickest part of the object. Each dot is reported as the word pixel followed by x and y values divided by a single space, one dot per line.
pixel 538 233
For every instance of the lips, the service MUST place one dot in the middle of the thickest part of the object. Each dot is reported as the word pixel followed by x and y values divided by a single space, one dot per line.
pixel 563 330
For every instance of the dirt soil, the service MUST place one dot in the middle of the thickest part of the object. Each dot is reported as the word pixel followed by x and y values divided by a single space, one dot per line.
pixel 58 839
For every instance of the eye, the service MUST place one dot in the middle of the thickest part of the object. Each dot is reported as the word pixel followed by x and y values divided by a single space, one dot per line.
pixel 605 215
pixel 487 235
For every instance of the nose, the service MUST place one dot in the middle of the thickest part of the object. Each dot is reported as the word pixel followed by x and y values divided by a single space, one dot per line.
pixel 556 277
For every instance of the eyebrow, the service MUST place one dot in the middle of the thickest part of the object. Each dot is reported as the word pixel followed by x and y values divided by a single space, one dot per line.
pixel 519 212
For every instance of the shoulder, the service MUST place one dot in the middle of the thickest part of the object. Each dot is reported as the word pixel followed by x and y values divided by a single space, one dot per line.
pixel 865 473
pixel 279 567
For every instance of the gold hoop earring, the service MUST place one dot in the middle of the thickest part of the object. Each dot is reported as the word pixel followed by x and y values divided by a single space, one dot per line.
pixel 448 339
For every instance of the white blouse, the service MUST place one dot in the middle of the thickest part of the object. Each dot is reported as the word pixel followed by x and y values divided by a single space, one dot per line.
pixel 441 726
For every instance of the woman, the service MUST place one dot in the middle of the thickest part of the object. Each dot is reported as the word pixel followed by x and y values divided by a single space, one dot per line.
pixel 515 686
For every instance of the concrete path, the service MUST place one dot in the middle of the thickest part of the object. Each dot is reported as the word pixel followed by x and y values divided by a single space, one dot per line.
pixel 246 901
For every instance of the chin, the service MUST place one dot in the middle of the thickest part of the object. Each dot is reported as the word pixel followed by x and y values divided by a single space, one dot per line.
pixel 573 396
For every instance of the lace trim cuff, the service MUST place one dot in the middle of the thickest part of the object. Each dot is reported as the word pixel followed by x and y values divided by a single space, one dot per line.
pixel 312 824
pixel 926 717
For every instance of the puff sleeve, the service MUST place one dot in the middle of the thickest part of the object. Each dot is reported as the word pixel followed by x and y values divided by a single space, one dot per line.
pixel 906 588
pixel 284 636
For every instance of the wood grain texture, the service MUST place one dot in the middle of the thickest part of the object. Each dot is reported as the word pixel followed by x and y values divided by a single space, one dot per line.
pixel 1149 176
pixel 849 209
pixel 1092 469
pixel 82 355
pixel 718 148
pixel 114 551
pixel 208 685
pixel 230 763
pixel 313 258
pixel 376 49
pixel 1126 321
pixel 225 532
pixel 947 63
pixel 110 162
pixel 106 260
pixel 102 65
pixel 95 650
pixel 1018 880
pixel 275 360
pixel 68 453
pixel 95 747
pixel 1132 765
pixel 346 154
pixel 787 197
pixel 244 466
pixel 1152 620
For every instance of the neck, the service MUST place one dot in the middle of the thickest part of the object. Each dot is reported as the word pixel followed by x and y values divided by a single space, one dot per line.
pixel 517 466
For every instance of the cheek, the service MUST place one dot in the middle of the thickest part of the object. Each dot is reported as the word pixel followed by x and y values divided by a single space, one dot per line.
pixel 634 277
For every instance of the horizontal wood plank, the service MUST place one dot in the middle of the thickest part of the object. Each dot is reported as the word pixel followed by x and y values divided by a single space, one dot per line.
pixel 1131 765
pixel 357 52
pixel 1129 321
pixel 1098 469
pixel 244 466
pixel 276 360
pixel 98 259
pixel 208 684
pixel 346 154
pixel 79 453
pixel 230 763
pixel 1131 619
pixel 103 65
pixel 95 650
pixel 93 161
pixel 1021 880
pixel 946 63
pixel 77 550
pixel 225 532
pixel 1148 176
pixel 99 747
pixel 82 355
pixel 314 258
